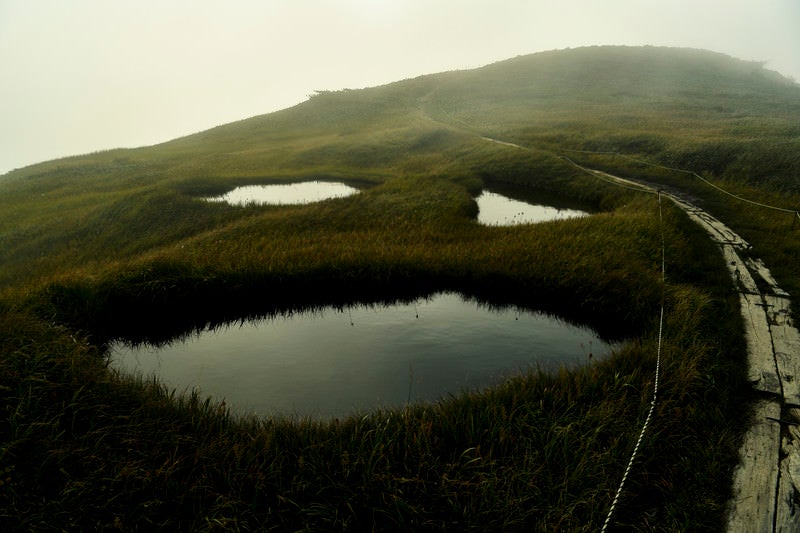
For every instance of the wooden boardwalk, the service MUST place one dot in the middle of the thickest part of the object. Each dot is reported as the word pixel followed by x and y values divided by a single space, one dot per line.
pixel 766 482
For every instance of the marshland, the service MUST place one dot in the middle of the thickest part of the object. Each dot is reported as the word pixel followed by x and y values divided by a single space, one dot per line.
pixel 123 244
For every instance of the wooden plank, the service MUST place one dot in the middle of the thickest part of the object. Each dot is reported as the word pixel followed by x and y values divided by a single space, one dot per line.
pixel 758 266
pixel 766 488
pixel 786 345
pixel 719 232
pixel 752 507
pixel 761 372
pixel 739 272
pixel 787 511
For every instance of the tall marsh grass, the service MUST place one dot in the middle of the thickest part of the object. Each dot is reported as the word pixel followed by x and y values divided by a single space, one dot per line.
pixel 541 451
pixel 120 243
pixel 87 449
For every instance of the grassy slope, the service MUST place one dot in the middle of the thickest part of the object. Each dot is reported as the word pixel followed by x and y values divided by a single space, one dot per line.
pixel 96 240
pixel 682 108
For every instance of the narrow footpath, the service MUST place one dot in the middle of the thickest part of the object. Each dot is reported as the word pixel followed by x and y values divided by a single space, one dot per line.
pixel 766 482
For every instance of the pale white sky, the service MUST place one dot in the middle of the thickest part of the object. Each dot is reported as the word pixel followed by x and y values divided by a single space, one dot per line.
pixel 83 75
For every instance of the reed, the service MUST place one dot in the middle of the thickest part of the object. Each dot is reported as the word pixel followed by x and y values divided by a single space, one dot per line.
pixel 120 243
pixel 540 451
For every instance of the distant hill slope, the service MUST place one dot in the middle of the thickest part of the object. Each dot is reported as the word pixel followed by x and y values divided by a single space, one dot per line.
pixel 682 107
pixel 679 105
pixel 645 99
pixel 122 243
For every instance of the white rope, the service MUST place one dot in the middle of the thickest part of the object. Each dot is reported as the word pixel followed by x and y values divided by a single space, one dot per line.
pixel 720 189
pixel 691 173
pixel 641 434
pixel 639 188
pixel 649 417
pixel 655 385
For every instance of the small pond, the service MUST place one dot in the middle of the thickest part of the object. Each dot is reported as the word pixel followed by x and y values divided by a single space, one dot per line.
pixel 503 207
pixel 498 209
pixel 304 192
pixel 333 362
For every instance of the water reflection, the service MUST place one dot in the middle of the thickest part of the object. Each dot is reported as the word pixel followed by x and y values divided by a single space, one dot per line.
pixel 498 210
pixel 286 193
pixel 333 362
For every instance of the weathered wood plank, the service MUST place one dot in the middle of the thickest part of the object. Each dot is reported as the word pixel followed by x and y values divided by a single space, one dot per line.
pixel 761 371
pixel 766 482
pixel 739 272
pixel 787 511
pixel 752 507
pixel 786 345
pixel 758 266
pixel 719 232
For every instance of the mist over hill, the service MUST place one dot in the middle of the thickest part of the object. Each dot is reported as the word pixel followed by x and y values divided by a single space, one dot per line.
pixel 675 104
pixel 685 108
pixel 123 244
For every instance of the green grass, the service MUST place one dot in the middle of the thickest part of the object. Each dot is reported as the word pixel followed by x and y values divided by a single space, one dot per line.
pixel 120 243
pixel 773 233
pixel 540 451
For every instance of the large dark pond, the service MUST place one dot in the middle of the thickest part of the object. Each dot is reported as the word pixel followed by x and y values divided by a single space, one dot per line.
pixel 334 362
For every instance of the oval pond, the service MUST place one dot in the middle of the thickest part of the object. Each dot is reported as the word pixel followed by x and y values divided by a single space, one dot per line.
pixel 495 209
pixel 335 362
pixel 304 192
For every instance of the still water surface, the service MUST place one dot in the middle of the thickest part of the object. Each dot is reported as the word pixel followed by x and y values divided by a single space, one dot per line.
pixel 334 362
pixel 496 209
pixel 285 193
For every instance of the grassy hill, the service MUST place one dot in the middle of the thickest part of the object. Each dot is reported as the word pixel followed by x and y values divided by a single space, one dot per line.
pixel 683 108
pixel 121 242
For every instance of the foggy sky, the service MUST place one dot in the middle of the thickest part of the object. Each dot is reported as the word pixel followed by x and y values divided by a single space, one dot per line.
pixel 83 75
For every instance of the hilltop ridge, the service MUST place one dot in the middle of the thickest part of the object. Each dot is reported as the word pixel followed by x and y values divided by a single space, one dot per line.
pixel 550 80
pixel 123 244
pixel 683 108
pixel 587 91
